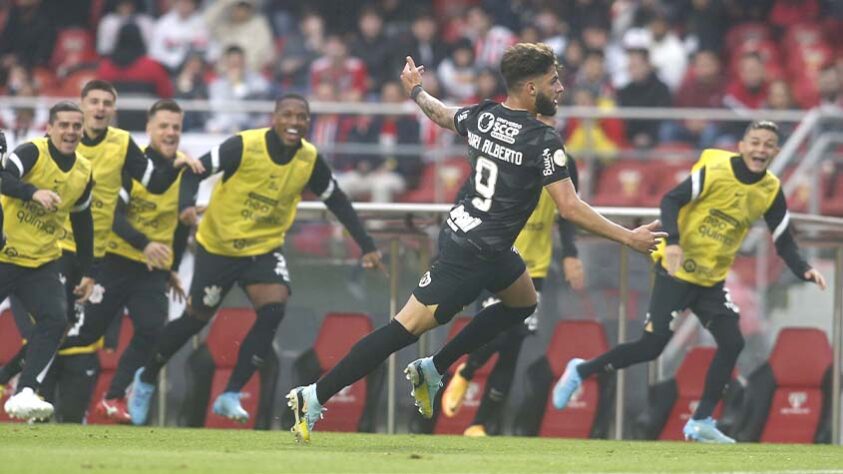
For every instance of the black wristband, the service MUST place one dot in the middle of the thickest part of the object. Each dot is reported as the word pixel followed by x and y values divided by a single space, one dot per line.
pixel 417 89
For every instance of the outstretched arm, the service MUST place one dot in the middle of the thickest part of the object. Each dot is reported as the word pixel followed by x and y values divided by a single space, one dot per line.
pixel 571 207
pixel 411 79
pixel 778 221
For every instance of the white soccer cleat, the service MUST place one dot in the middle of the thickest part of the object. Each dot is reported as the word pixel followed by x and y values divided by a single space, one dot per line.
pixel 26 405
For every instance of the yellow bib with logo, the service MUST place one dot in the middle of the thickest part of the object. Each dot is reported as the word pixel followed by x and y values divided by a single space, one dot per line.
pixel 154 215
pixel 250 212
pixel 107 158
pixel 33 233
pixel 535 242
pixel 712 227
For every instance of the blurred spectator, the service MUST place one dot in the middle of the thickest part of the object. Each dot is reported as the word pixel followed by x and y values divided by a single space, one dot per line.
pixel 599 138
pixel 347 72
pixel 489 86
pixel 382 176
pixel 583 13
pixel 424 44
pixel 239 23
pixel 666 51
pixel 235 82
pixel 830 87
pixel 530 34
pixel 705 23
pixel 571 61
pixel 780 97
pixel 133 73
pixel 644 90
pixel 750 89
pixel 490 40
pixel 374 48
pixel 791 12
pixel 119 13
pixel 22 123
pixel 190 85
pixel 326 129
pixel 28 37
pixel 595 37
pixel 551 30
pixel 702 88
pixel 300 50
pixel 457 73
pixel 592 76
pixel 179 31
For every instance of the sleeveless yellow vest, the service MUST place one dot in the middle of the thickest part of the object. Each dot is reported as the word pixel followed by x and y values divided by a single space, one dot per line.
pixel 534 243
pixel 33 233
pixel 250 212
pixel 107 159
pixel 154 215
pixel 712 227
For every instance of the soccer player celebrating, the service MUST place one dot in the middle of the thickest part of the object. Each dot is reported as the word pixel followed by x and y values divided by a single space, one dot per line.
pixel 141 262
pixel 535 245
pixel 44 183
pixel 707 217
pixel 240 240
pixel 514 157
pixel 112 152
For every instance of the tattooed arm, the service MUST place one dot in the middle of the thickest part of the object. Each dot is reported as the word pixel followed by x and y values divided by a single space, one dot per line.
pixel 411 79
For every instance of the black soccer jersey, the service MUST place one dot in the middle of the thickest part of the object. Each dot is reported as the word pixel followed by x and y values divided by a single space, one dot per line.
pixel 513 156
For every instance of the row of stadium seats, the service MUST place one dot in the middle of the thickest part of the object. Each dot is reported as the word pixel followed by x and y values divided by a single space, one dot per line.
pixel 787 399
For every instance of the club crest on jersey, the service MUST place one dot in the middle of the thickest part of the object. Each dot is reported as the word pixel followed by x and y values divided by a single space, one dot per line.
pixel 485 122
pixel 425 280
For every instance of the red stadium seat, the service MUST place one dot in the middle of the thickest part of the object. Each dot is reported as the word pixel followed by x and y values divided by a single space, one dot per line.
pixel 585 339
pixel 10 344
pixel 473 396
pixel 668 174
pixel 832 203
pixel 451 175
pixel 786 399
pixel 339 332
pixel 228 329
pixel 108 365
pixel 74 46
pixel 624 183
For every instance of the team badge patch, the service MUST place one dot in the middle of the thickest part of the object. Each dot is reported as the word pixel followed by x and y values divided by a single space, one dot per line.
pixel 559 157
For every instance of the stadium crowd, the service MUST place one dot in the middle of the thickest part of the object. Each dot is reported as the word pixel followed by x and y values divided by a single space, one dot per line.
pixel 774 54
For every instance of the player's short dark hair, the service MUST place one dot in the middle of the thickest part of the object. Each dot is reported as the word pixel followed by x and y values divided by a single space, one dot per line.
pixel 98 85
pixel 525 60
pixel 292 96
pixel 164 104
pixel 63 106
pixel 764 125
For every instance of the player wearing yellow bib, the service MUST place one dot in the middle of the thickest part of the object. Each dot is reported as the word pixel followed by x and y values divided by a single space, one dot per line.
pixel 140 264
pixel 240 240
pixel 44 183
pixel 112 152
pixel 707 217
pixel 535 244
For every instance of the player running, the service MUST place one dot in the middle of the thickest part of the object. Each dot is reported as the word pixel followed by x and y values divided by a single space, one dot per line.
pixel 240 240
pixel 514 157
pixel 141 262
pixel 535 245
pixel 707 217
pixel 44 183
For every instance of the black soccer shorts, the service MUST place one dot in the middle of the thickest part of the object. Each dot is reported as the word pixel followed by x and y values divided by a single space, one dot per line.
pixel 214 275
pixel 458 275
pixel 672 296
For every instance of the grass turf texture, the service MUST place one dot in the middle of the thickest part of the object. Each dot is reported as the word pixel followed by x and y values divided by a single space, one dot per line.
pixel 87 449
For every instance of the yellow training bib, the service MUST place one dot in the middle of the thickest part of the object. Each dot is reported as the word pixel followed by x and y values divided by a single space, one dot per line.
pixel 535 242
pixel 250 212
pixel 154 215
pixel 33 233
pixel 107 158
pixel 712 227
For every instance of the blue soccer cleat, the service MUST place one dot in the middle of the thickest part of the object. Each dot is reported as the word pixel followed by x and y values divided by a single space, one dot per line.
pixel 140 397
pixel 705 431
pixel 426 382
pixel 567 384
pixel 228 405
pixel 306 407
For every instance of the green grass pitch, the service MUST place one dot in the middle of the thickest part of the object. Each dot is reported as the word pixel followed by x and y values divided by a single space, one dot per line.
pixel 101 449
